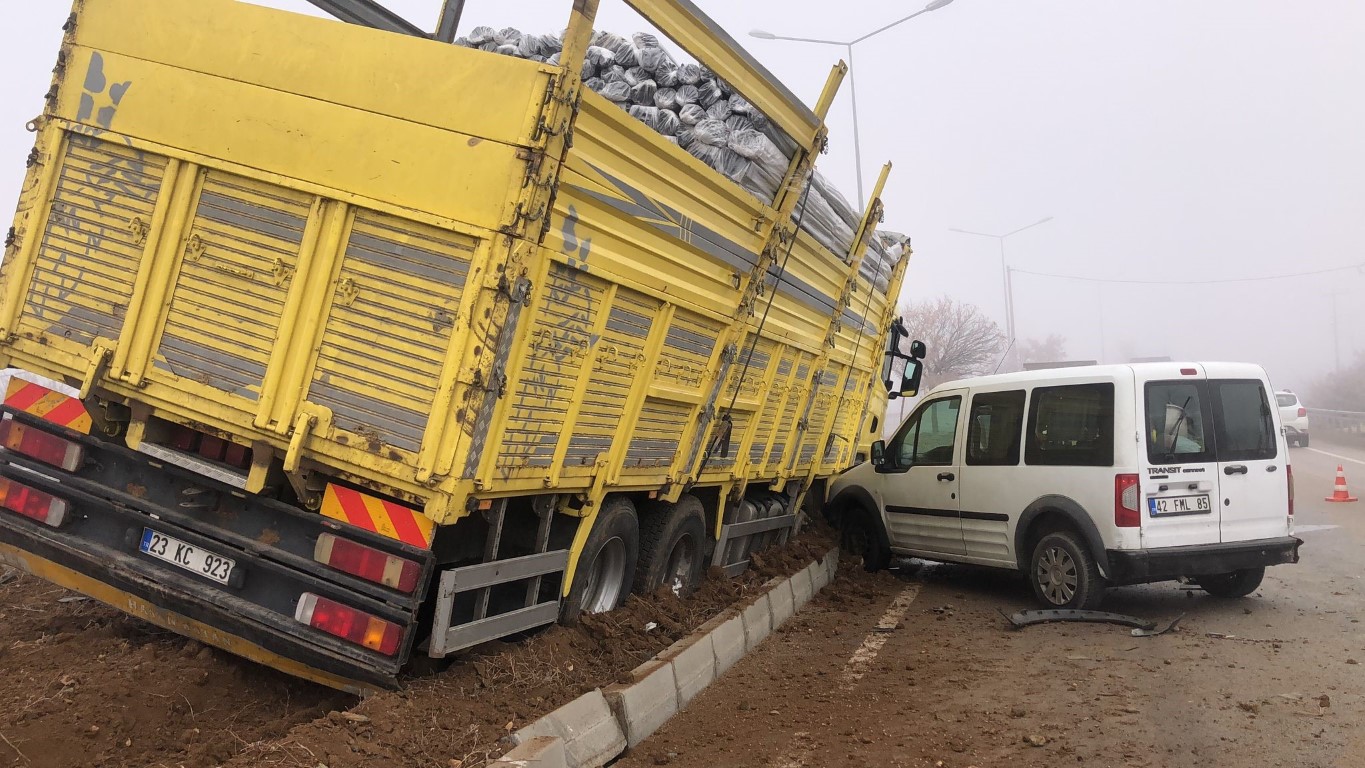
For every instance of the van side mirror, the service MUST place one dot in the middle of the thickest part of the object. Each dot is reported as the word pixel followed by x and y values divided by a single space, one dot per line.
pixel 879 453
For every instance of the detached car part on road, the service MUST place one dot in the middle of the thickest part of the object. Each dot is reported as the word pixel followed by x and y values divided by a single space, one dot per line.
pixel 1083 478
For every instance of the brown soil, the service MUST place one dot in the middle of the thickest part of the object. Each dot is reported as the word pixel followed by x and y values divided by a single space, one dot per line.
pixel 88 685
pixel 462 716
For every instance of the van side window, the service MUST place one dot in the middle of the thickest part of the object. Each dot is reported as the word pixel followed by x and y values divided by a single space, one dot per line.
pixel 1241 420
pixel 1177 423
pixel 1071 426
pixel 926 439
pixel 994 430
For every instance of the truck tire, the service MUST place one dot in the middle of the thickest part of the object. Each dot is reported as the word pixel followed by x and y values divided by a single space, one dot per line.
pixel 1236 584
pixel 1063 573
pixel 606 567
pixel 672 547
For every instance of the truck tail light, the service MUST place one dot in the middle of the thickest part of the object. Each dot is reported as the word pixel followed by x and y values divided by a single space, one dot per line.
pixel 1302 412
pixel 37 444
pixel 33 503
pixel 367 563
pixel 1289 475
pixel 348 623
pixel 1126 512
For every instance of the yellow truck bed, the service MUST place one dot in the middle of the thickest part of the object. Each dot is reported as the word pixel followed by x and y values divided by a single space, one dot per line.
pixel 425 272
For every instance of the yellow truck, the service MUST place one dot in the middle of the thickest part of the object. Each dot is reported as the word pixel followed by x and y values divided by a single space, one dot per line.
pixel 385 347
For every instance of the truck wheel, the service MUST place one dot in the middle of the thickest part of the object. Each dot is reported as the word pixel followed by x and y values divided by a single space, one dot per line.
pixel 860 537
pixel 672 547
pixel 1236 584
pixel 606 568
pixel 1063 573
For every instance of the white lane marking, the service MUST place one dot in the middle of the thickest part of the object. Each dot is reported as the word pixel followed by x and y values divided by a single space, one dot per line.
pixel 1311 528
pixel 1335 455
pixel 800 752
pixel 858 663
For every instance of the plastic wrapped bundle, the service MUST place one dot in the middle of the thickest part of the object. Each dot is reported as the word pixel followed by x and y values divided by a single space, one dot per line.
pixel 719 111
pixel 620 47
pixel 667 77
pixel 600 57
pixel 616 91
pixel 509 49
pixel 643 93
pixel 712 133
pixel 656 60
pixel 708 93
pixel 738 123
pixel 720 158
pixel 689 74
pixel 481 35
pixel 668 123
pixel 741 106
pixel 595 84
pixel 687 135
pixel 666 98
pixel 690 114
pixel 688 94
pixel 644 40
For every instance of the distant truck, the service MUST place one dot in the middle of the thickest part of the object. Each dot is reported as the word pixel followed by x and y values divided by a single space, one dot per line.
pixel 386 347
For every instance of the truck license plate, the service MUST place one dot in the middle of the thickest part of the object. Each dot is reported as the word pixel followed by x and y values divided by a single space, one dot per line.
pixel 187 556
pixel 1180 505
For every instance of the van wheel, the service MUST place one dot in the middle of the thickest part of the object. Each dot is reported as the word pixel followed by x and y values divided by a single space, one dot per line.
pixel 606 568
pixel 860 537
pixel 1064 574
pixel 1303 441
pixel 672 547
pixel 1236 584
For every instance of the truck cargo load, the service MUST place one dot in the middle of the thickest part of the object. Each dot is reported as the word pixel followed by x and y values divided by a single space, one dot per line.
pixel 385 347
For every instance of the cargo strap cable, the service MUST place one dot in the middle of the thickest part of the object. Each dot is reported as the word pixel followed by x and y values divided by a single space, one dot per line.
pixel 722 436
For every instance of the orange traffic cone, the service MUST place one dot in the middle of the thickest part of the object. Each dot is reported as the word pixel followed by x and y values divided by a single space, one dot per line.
pixel 1340 493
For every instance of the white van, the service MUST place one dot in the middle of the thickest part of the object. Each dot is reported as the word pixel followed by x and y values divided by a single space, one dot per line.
pixel 1084 478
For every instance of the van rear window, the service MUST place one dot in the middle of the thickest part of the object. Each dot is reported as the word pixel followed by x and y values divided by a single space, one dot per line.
pixel 1241 419
pixel 1071 426
pixel 1286 401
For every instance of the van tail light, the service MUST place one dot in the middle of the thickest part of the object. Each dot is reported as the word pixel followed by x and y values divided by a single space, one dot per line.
pixel 1289 475
pixel 348 623
pixel 37 444
pixel 33 503
pixel 367 563
pixel 1302 412
pixel 1126 512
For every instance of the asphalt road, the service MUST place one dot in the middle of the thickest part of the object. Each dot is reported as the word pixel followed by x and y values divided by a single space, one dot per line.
pixel 1276 679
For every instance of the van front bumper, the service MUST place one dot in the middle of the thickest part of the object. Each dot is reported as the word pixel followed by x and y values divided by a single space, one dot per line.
pixel 1143 565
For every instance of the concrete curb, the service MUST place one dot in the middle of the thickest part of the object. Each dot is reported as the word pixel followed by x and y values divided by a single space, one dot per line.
pixel 600 726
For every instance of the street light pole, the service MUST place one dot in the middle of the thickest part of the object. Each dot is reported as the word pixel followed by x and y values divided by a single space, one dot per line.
pixel 934 5
pixel 1005 272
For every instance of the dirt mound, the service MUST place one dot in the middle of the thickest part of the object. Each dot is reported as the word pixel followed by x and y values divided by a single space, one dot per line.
pixel 459 718
pixel 89 685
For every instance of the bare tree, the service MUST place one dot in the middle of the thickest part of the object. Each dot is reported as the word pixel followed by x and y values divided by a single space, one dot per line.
pixel 1049 350
pixel 962 341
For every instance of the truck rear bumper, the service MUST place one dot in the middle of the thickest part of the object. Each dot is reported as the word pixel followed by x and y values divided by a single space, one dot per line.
pixel 117 497
pixel 1145 565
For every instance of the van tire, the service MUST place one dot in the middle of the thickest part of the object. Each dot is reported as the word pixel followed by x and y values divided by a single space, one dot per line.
pixel 1303 441
pixel 611 552
pixel 672 547
pixel 859 537
pixel 1239 583
pixel 1064 574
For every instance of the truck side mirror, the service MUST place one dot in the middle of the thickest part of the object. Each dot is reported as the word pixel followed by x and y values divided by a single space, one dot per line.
pixel 879 453
pixel 918 350
pixel 914 371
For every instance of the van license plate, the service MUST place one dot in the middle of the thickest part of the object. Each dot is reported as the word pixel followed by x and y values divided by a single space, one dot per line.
pixel 1180 505
pixel 187 556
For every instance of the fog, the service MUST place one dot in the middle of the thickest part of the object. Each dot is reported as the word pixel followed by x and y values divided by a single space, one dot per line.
pixel 1175 145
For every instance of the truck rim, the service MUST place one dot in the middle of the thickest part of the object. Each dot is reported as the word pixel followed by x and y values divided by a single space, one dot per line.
pixel 680 562
pixel 1057 575
pixel 605 577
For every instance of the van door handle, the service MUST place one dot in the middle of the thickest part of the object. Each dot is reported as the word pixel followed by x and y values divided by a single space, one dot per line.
pixel 1235 469
pixel 948 476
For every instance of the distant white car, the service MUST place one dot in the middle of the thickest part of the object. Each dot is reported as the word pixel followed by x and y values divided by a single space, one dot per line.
pixel 1293 416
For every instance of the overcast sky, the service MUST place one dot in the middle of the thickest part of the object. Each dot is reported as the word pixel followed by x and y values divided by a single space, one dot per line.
pixel 1172 141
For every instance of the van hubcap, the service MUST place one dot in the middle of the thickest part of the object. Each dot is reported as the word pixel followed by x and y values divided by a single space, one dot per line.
pixel 1057 575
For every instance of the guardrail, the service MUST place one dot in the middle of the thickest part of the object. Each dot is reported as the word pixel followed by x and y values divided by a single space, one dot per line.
pixel 1340 422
